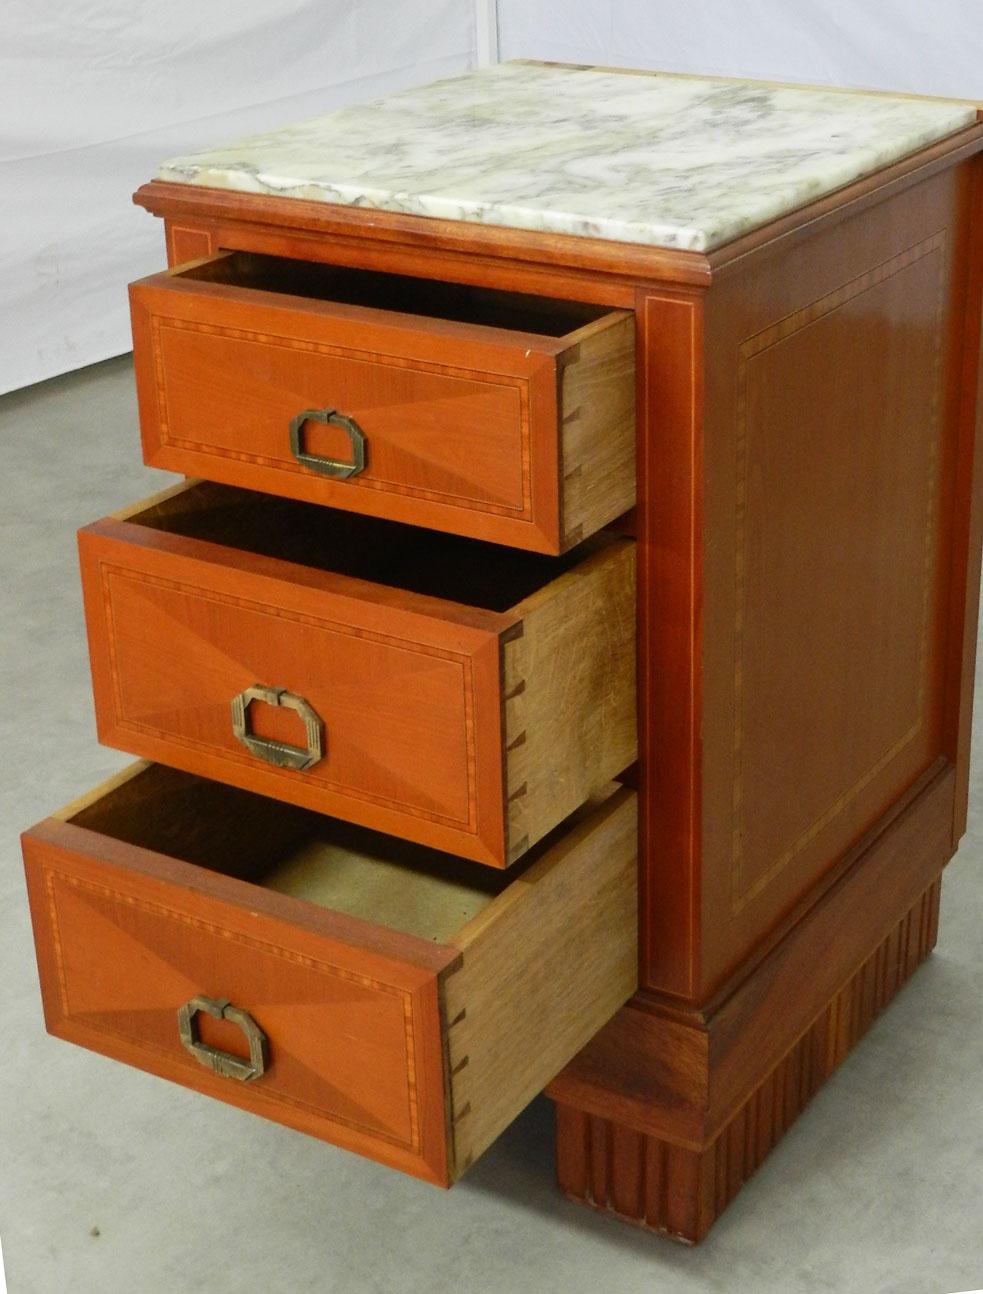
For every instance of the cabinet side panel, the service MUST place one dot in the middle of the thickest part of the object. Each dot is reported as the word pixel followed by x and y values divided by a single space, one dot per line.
pixel 569 694
pixel 830 474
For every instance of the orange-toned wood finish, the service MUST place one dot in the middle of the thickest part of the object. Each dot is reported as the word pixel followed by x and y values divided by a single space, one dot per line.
pixel 663 1117
pixel 808 539
pixel 189 603
pixel 369 1029
pixel 681 1191
pixel 125 936
pixel 815 658
pixel 818 441
pixel 680 1075
pixel 467 399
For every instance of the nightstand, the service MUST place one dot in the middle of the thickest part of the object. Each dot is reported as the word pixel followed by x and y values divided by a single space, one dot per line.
pixel 562 672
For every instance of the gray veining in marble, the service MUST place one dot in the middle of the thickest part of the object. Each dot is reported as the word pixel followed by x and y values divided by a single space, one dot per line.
pixel 631 157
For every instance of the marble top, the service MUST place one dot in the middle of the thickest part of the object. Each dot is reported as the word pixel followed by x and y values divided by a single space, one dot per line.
pixel 633 157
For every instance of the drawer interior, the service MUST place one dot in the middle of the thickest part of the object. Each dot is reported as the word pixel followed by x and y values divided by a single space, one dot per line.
pixel 391 882
pixel 468 571
pixel 460 303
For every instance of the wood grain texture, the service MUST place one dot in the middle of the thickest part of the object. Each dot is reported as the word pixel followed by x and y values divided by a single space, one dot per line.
pixel 732 992
pixel 541 969
pixel 597 430
pixel 680 1191
pixel 569 693
pixel 187 243
pixel 686 664
pixel 409 686
pixel 590 269
pixel 670 532
pixel 409 701
pixel 647 1069
pixel 125 936
pixel 848 594
pixel 455 390
pixel 681 1075
pixel 749 1029
pixel 689 342
pixel 158 887
pixel 798 517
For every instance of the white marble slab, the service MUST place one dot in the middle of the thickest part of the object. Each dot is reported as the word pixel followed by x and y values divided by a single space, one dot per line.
pixel 639 158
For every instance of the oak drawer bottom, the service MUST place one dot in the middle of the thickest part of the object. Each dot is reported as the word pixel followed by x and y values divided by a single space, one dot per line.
pixel 388 998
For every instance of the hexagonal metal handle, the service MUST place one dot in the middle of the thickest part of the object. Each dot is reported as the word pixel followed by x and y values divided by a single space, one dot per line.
pixel 335 467
pixel 213 1058
pixel 279 753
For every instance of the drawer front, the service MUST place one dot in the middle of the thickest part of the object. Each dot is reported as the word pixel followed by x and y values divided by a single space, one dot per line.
pixel 412 1052
pixel 472 730
pixel 353 1039
pixel 408 704
pixel 508 436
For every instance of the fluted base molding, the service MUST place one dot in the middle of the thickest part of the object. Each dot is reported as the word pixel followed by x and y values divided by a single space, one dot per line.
pixel 679 1191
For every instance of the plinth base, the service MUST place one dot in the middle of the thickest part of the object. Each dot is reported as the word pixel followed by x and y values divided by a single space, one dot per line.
pixel 652 1182
pixel 668 1110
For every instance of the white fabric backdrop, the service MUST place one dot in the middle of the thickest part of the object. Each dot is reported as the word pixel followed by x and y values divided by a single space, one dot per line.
pixel 909 45
pixel 94 93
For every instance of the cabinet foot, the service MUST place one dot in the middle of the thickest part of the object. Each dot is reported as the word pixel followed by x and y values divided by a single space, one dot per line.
pixel 680 1190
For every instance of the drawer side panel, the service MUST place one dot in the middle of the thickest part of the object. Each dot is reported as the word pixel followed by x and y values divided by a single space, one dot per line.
pixel 543 968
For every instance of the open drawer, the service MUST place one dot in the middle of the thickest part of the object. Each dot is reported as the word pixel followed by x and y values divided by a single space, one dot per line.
pixel 397 1002
pixel 453 692
pixel 478 412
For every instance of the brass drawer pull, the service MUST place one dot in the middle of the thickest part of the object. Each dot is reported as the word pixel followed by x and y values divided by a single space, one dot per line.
pixel 328 466
pixel 280 753
pixel 223 1062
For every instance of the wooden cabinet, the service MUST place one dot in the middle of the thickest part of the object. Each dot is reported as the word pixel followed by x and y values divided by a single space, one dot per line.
pixel 760 619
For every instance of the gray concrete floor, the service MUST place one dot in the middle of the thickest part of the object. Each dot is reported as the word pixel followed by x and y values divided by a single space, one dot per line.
pixel 878 1187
